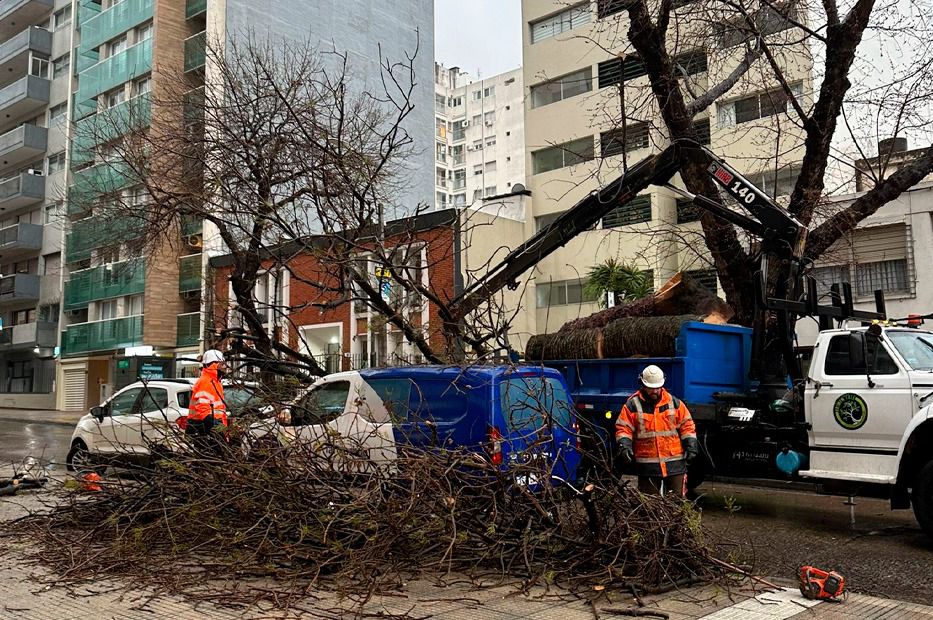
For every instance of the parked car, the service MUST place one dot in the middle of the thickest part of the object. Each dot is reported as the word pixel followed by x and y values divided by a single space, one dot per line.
pixel 121 430
pixel 508 414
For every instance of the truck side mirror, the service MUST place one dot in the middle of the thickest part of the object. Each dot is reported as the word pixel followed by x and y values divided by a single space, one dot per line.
pixel 857 351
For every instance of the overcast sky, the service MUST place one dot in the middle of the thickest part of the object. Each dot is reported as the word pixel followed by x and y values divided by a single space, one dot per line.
pixel 478 34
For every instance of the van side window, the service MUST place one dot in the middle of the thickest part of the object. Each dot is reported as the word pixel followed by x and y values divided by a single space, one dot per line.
pixel 322 405
pixel 878 360
pixel 438 401
pixel 394 394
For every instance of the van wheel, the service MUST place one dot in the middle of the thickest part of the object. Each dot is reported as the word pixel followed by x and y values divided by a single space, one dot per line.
pixel 922 499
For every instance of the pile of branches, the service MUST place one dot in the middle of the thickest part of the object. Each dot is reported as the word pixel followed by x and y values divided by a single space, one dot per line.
pixel 314 513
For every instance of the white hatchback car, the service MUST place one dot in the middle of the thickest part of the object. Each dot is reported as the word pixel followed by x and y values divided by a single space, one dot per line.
pixel 122 429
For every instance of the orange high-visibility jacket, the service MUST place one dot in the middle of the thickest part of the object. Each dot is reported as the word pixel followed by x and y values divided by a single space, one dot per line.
pixel 208 397
pixel 656 435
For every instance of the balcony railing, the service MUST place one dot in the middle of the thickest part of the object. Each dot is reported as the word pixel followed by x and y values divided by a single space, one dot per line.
pixel 188 329
pixel 194 8
pixel 122 119
pixel 19 287
pixel 195 51
pixel 26 142
pixel 29 335
pixel 114 21
pixel 103 335
pixel 189 273
pixel 23 11
pixel 25 95
pixel 104 282
pixel 89 183
pixel 20 239
pixel 118 69
pixel 21 190
pixel 91 233
pixel 87 10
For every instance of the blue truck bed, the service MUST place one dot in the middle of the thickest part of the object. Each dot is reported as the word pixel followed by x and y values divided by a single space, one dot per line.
pixel 709 359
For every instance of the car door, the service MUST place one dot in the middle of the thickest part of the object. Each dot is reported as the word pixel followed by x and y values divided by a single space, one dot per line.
pixel 157 415
pixel 117 426
pixel 312 415
pixel 849 412
pixel 368 421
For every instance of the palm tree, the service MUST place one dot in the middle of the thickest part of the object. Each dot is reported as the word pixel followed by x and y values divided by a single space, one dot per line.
pixel 627 281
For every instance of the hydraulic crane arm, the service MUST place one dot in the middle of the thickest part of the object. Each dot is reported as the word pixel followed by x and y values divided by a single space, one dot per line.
pixel 780 232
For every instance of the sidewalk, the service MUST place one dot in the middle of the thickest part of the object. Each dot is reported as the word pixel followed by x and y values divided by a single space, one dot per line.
pixel 40 416
pixel 24 595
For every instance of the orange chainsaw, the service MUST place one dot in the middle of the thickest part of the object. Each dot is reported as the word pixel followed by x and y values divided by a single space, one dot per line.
pixel 817 584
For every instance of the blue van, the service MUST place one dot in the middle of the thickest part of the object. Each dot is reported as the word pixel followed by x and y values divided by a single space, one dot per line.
pixel 509 414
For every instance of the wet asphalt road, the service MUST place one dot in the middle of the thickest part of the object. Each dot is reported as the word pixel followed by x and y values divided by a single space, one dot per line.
pixel 776 531
pixel 47 442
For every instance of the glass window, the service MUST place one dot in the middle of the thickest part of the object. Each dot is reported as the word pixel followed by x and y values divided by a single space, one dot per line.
pixel 39 67
pixel 394 394
pixel 567 19
pixel 56 162
pixel 560 156
pixel 61 18
pixel 530 403
pixel 839 361
pixel 143 86
pixel 123 403
pixel 184 399
pixel 628 139
pixel 322 404
pixel 154 399
pixel 915 347
pixel 116 97
pixel 635 211
pixel 57 113
pixel 117 45
pixel 889 276
pixel 60 65
pixel 570 85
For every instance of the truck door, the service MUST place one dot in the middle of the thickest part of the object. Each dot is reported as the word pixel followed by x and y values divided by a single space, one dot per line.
pixel 845 410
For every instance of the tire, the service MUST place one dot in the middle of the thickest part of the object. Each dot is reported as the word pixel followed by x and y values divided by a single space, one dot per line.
pixel 922 499
pixel 79 458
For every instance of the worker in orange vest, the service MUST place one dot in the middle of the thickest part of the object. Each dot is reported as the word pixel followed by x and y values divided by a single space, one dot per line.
pixel 208 409
pixel 655 430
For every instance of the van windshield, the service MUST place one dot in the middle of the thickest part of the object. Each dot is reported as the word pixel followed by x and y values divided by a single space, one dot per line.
pixel 529 402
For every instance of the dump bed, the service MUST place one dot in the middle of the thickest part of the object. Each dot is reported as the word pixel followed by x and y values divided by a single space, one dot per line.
pixel 708 359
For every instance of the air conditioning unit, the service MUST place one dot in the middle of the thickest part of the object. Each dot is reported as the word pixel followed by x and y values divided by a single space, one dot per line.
pixel 470 148
pixel 464 123
pixel 490 123
pixel 35 172
pixel 194 241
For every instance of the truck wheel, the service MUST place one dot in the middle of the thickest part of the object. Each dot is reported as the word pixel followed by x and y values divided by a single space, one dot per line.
pixel 922 499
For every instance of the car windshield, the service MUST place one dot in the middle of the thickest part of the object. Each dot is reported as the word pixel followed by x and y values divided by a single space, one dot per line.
pixel 239 398
pixel 915 347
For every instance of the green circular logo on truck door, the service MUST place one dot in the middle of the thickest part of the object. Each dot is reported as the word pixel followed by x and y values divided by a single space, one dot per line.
pixel 850 411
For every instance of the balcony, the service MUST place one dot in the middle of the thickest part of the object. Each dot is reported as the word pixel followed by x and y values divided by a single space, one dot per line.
pixel 103 335
pixel 193 8
pixel 91 233
pixel 89 183
pixel 19 287
pixel 14 52
pixel 125 118
pixel 195 51
pixel 25 143
pixel 14 14
pixel 188 329
pixel 28 336
pixel 25 95
pixel 22 190
pixel 87 10
pixel 189 273
pixel 104 282
pixel 116 20
pixel 20 239
pixel 118 69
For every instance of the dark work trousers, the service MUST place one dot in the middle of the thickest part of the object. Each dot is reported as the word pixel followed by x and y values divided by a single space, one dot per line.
pixel 673 485
pixel 207 435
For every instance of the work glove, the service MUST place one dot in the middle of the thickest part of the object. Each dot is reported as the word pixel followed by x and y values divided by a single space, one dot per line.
pixel 625 450
pixel 691 448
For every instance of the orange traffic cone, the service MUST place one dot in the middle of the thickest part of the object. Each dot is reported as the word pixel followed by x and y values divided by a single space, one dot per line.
pixel 91 480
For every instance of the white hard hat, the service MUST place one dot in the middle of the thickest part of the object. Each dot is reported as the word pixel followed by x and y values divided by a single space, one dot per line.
pixel 652 377
pixel 211 356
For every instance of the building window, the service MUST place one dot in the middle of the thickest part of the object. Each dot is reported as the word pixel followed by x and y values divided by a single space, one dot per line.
pixel 562 155
pixel 616 70
pixel 459 200
pixel 490 191
pixel 543 221
pixel 635 211
pixel 441 128
pixel 107 309
pixel 455 102
pixel 477 195
pixel 21 317
pixel 489 91
pixel 490 166
pixel 828 275
pixel 561 293
pixel 117 45
pixel 490 141
pixel 439 101
pixel 459 178
pixel 440 152
pixel 52 212
pixel 889 276
pixel 441 199
pixel 142 86
pixel 477 169
pixel 116 97
pixel 39 67
pixel 768 20
pixel 144 32
pixel 605 8
pixel 477 145
pixel 873 258
pixel 58 112
pixel 49 313
pixel 775 182
pixel 440 177
pixel 477 95
pixel 687 211
pixel 61 18
pixel 753 107
pixel 56 162
pixel 564 21
pixel 628 139
pixel 133 305
pixel 561 88
pixel 60 65
pixel 456 152
pixel 490 118
pixel 703 132
pixel 705 278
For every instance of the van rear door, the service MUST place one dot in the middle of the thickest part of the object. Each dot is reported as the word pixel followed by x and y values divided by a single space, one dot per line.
pixel 535 419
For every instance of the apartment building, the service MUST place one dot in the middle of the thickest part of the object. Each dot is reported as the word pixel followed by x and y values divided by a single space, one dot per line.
pixel 35 66
pixel 479 136
pixel 582 78
pixel 123 315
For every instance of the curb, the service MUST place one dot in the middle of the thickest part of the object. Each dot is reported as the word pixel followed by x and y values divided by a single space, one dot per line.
pixel 70 424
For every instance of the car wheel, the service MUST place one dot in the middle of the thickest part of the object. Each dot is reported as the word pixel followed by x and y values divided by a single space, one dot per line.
pixel 922 499
pixel 79 458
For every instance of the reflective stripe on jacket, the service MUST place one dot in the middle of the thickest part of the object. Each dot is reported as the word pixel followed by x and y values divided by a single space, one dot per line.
pixel 656 435
pixel 208 397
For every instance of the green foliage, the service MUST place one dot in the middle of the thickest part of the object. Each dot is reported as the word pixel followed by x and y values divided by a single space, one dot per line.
pixel 627 281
